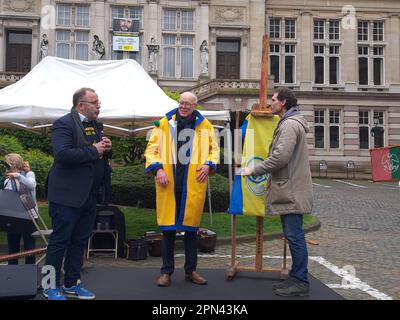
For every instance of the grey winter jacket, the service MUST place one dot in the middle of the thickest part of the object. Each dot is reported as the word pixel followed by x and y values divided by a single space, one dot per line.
pixel 289 187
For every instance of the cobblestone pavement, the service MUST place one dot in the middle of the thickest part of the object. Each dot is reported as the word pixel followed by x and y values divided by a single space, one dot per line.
pixel 359 242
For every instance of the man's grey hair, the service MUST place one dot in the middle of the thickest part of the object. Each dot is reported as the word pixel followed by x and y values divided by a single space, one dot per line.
pixel 79 94
pixel 191 94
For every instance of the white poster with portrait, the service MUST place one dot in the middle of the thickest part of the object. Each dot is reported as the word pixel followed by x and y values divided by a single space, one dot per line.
pixel 125 25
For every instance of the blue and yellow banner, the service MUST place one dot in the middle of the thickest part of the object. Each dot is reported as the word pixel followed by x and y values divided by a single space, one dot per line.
pixel 249 192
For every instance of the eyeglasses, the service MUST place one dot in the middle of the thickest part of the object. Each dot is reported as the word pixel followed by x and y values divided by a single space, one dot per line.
pixel 187 104
pixel 96 103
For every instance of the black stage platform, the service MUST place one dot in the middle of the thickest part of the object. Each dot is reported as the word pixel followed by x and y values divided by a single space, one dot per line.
pixel 113 283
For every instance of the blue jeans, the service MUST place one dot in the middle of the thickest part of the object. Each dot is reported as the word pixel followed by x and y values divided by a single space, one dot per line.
pixel 71 231
pixel 14 245
pixel 292 225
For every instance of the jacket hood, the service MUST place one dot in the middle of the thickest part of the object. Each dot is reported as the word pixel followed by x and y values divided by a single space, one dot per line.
pixel 294 114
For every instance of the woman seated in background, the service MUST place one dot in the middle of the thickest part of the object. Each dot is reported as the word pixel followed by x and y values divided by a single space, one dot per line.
pixel 21 179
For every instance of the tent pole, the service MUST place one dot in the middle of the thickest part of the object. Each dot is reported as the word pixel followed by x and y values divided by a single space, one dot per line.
pixel 233 217
pixel 229 147
pixel 209 199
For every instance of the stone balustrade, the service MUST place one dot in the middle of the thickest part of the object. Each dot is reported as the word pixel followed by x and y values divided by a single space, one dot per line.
pixel 7 78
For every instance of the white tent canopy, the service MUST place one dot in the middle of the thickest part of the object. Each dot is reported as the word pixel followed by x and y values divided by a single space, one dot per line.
pixel 126 91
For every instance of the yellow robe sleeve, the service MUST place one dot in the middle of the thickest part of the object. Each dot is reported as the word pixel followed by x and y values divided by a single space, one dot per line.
pixel 152 152
pixel 213 155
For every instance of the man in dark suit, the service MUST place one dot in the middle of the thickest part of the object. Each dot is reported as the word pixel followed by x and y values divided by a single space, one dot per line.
pixel 80 170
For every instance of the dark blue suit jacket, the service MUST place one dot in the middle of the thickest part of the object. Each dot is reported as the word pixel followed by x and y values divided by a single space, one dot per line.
pixel 71 177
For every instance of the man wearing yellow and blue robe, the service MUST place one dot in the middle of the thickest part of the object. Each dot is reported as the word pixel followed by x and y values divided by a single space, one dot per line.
pixel 181 153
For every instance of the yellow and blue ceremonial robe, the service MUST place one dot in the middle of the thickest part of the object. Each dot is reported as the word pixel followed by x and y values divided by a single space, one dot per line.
pixel 161 152
pixel 249 192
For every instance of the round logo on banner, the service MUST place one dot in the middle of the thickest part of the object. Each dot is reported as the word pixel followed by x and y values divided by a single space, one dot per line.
pixel 256 183
pixel 390 163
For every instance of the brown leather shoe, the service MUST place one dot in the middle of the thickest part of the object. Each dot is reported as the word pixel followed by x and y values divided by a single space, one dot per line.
pixel 195 278
pixel 164 280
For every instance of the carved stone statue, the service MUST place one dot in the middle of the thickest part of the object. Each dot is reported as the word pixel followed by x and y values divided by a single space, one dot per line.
pixel 44 47
pixel 204 57
pixel 153 50
pixel 98 47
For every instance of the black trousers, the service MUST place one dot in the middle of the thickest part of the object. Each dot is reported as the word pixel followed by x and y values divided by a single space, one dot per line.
pixel 168 247
pixel 14 245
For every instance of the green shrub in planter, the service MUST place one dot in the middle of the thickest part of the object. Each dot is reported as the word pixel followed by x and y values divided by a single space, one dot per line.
pixel 132 187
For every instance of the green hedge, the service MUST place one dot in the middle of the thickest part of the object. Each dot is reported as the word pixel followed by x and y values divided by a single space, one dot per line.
pixel 132 187
pixel 40 164
pixel 10 144
pixel 129 150
pixel 30 140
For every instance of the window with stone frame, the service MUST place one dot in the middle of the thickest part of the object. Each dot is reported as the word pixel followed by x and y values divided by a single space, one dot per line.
pixel 282 53
pixel 327 129
pixel 371 128
pixel 334 29
pixel 377 31
pixel 290 63
pixel 319 129
pixel 327 52
pixel 371 53
pixel 319 29
pixel 290 29
pixel 72 31
pixel 128 12
pixel 363 129
pixel 63 44
pixel 319 64
pixel 178 43
pixel 275 28
pixel 378 122
pixel 334 129
pixel 362 31
pixel 274 61
pixel 334 64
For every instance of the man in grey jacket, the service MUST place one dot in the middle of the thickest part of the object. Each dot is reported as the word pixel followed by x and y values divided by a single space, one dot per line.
pixel 289 186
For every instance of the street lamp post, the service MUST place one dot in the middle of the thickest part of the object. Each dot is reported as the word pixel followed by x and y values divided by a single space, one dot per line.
pixel 377 133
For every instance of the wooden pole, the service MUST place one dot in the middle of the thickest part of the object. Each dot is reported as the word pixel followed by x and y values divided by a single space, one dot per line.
pixel 262 108
pixel 259 242
pixel 22 254
pixel 264 73
pixel 262 111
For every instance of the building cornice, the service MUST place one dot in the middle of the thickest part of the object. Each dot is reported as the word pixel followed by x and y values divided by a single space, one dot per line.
pixel 12 17
pixel 229 26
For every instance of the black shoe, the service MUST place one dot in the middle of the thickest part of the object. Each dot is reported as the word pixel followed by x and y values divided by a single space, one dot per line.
pixel 283 284
pixel 296 289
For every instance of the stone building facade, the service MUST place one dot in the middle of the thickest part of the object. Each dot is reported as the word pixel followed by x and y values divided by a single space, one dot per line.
pixel 343 61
